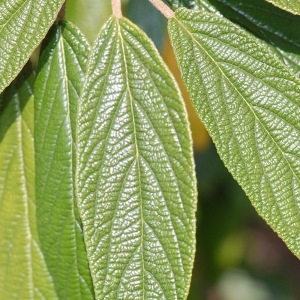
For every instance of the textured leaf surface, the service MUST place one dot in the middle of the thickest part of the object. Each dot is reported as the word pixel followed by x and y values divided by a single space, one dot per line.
pixel 290 5
pixel 137 186
pixel 57 88
pixel 250 104
pixel 274 26
pixel 23 271
pixel 23 24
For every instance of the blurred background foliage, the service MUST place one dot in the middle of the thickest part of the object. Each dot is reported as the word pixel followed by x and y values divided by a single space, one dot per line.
pixel 238 256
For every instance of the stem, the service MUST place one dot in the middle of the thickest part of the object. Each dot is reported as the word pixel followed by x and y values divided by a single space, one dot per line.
pixel 116 8
pixel 163 8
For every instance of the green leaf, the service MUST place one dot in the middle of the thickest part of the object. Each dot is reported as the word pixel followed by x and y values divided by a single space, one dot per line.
pixel 23 271
pixel 186 3
pixel 271 24
pixel 249 102
pixel 23 24
pixel 292 6
pixel 57 88
pixel 137 186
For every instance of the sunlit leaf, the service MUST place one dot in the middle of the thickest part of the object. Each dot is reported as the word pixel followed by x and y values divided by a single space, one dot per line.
pixel 290 5
pixel 249 102
pixel 274 26
pixel 23 271
pixel 57 88
pixel 137 185
pixel 23 24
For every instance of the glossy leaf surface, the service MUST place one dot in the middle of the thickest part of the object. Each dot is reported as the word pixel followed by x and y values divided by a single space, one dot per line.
pixel 59 78
pixel 23 24
pixel 137 185
pixel 272 25
pixel 23 270
pixel 290 5
pixel 249 102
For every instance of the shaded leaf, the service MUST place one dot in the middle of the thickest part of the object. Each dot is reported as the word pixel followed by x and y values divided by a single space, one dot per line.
pixel 137 185
pixel 23 271
pixel 249 102
pixel 186 3
pixel 57 88
pixel 23 24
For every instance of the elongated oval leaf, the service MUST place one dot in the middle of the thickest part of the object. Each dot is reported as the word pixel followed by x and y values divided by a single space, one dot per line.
pixel 23 270
pixel 137 185
pixel 290 5
pixel 57 87
pixel 250 104
pixel 23 24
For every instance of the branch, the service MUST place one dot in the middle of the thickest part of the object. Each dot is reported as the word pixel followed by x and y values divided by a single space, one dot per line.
pixel 116 8
pixel 163 8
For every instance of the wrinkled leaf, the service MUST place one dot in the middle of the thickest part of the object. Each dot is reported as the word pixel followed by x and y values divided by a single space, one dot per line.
pixel 249 103
pixel 57 88
pixel 137 185
pixel 290 5
pixel 23 24
pixel 271 24
pixel 23 271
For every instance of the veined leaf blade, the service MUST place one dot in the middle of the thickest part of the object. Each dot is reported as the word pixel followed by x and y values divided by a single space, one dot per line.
pixel 249 102
pixel 137 184
pixel 23 270
pixel 272 25
pixel 59 79
pixel 23 24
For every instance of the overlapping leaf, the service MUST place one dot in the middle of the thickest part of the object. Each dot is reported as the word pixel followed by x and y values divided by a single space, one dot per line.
pixel 271 24
pixel 290 5
pixel 23 271
pixel 136 178
pixel 23 24
pixel 249 102
pixel 57 88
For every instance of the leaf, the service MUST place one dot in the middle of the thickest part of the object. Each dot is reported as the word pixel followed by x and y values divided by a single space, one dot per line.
pixel 23 271
pixel 57 88
pixel 271 24
pixel 23 24
pixel 292 6
pixel 137 186
pixel 249 103
pixel 186 3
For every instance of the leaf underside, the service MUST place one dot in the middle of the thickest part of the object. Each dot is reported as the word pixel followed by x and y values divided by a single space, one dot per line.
pixel 23 24
pixel 137 185
pixel 23 271
pixel 249 102
pixel 59 79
